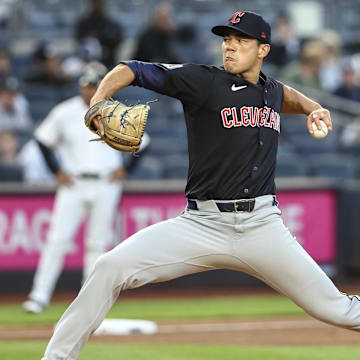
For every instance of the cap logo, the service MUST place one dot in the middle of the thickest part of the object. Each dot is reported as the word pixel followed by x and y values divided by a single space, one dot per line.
pixel 237 17
pixel 263 35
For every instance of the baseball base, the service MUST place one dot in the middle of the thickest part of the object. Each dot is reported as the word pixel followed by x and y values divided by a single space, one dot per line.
pixel 126 327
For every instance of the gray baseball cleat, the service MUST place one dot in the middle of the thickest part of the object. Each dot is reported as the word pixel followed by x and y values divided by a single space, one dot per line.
pixel 33 306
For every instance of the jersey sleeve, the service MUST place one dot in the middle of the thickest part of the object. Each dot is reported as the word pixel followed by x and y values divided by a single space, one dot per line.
pixel 190 83
pixel 49 131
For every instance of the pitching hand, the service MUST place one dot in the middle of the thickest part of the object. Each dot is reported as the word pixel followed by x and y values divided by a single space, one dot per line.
pixel 317 115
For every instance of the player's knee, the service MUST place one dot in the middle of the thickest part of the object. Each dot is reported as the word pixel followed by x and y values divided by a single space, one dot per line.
pixel 122 268
pixel 112 263
pixel 336 317
pixel 104 264
pixel 343 319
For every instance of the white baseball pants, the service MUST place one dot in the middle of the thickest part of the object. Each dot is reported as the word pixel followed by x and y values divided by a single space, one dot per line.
pixel 256 243
pixel 96 197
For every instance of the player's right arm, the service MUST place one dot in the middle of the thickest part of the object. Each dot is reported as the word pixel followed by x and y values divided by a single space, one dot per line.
pixel 189 83
pixel 118 78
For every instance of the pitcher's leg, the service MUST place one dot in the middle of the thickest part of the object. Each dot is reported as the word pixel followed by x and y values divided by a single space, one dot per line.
pixel 65 220
pixel 160 252
pixel 286 266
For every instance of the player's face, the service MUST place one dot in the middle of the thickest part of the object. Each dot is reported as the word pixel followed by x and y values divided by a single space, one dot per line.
pixel 241 54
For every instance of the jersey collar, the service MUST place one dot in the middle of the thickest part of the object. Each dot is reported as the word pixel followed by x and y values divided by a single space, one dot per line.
pixel 262 77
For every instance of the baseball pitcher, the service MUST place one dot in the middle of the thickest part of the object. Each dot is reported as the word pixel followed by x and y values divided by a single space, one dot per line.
pixel 232 219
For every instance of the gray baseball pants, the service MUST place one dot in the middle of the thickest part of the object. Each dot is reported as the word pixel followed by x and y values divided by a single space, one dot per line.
pixel 256 243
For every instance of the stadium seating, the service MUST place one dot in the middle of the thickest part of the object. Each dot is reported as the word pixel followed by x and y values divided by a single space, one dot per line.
pixel 333 166
pixel 10 173
pixel 149 168
pixel 307 145
pixel 49 20
pixel 42 98
pixel 176 166
pixel 292 165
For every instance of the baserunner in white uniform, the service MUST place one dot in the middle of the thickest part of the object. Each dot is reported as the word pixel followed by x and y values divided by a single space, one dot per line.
pixel 232 220
pixel 90 183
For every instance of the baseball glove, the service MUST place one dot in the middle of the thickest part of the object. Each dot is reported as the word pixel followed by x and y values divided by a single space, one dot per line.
pixel 123 125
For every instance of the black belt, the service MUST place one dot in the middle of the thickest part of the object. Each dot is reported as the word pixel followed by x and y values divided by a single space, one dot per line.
pixel 235 206
pixel 88 176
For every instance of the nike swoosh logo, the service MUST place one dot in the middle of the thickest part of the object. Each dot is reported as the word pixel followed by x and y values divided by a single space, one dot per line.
pixel 236 88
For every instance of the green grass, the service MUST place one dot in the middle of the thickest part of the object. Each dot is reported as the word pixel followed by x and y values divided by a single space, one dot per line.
pixel 174 309
pixel 92 351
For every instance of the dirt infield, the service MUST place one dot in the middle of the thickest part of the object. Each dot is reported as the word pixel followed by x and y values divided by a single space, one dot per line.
pixel 299 330
pixel 274 331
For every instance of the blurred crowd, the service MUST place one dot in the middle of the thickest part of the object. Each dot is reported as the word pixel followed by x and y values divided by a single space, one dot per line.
pixel 48 76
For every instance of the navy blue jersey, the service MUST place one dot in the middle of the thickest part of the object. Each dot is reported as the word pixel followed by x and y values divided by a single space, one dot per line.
pixel 232 125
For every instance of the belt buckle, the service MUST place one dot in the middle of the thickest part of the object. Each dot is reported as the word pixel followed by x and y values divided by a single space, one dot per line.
pixel 236 205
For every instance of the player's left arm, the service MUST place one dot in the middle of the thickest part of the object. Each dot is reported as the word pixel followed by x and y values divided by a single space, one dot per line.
pixel 294 102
